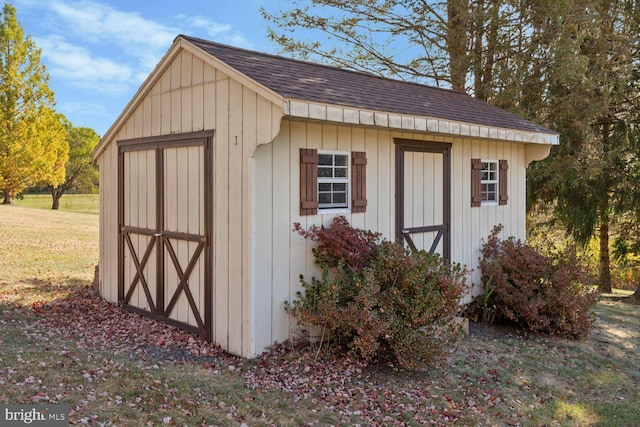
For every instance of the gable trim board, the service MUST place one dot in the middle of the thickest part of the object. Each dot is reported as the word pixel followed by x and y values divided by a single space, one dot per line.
pixel 269 113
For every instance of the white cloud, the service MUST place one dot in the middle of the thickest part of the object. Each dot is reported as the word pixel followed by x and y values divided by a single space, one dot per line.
pixel 140 39
pixel 102 22
pixel 211 27
pixel 217 31
pixel 87 112
pixel 80 68
pixel 237 40
pixel 102 53
pixel 131 45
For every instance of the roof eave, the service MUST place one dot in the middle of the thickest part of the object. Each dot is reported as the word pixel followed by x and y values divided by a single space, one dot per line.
pixel 303 109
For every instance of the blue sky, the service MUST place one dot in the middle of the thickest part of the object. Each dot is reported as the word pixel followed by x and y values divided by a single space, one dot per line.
pixel 99 52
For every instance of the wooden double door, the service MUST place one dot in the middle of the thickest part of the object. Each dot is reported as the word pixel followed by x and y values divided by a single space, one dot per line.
pixel 164 205
pixel 423 195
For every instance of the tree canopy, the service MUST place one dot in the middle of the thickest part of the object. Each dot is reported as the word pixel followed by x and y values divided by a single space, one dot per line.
pixel 32 136
pixel 81 173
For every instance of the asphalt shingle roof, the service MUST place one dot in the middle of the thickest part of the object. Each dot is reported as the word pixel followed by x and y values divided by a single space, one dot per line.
pixel 321 83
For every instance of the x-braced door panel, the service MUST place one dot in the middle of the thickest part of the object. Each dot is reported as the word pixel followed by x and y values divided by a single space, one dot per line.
pixel 184 239
pixel 423 196
pixel 139 219
pixel 164 210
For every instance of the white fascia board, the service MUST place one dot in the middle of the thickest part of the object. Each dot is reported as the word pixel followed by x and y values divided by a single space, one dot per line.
pixel 301 109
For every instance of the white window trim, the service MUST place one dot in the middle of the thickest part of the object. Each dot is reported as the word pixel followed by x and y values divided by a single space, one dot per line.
pixel 347 181
pixel 491 181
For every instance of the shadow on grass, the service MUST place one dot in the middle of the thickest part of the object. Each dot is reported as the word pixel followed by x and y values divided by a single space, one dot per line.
pixel 626 299
pixel 617 326
pixel 44 285
pixel 37 290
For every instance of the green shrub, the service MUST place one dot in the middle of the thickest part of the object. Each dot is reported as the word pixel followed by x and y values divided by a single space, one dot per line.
pixel 374 296
pixel 541 294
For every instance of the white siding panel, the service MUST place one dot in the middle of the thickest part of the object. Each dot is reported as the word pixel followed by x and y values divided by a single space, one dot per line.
pixel 469 225
pixel 197 108
pixel 175 76
pixel 221 214
pixel 156 115
pixel 371 148
pixel 197 76
pixel 385 205
pixel 249 142
pixel 108 261
pixel 260 209
pixel 235 243
pixel 299 249
pixel 209 102
pixel 186 69
pixel 262 262
pixel 138 122
pixel 186 110
pixel 191 95
pixel 329 137
pixel 175 111
pixel 165 114
pixel 282 213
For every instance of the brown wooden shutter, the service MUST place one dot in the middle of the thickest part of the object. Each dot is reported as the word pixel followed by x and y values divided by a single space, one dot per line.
pixel 358 181
pixel 502 182
pixel 476 177
pixel 308 181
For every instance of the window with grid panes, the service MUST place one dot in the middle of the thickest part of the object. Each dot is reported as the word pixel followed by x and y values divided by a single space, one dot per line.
pixel 333 180
pixel 489 181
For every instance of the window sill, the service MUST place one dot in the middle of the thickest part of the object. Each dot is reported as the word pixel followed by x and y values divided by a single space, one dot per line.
pixel 333 211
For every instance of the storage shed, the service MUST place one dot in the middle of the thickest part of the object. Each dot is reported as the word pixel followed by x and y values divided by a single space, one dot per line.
pixel 222 150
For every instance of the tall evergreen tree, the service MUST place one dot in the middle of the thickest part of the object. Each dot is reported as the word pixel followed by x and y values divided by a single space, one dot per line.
pixel 591 101
pixel 32 138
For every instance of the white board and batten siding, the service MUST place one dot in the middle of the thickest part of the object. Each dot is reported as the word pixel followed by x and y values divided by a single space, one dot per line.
pixel 188 94
pixel 256 258
pixel 281 255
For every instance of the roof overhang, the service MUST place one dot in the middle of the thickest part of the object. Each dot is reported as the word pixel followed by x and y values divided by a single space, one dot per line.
pixel 301 109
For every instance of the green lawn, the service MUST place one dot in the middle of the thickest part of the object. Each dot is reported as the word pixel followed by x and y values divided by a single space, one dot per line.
pixel 114 368
pixel 45 253
pixel 80 203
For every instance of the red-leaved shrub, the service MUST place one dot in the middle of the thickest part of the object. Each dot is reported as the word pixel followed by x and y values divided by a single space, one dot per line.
pixel 375 296
pixel 541 294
